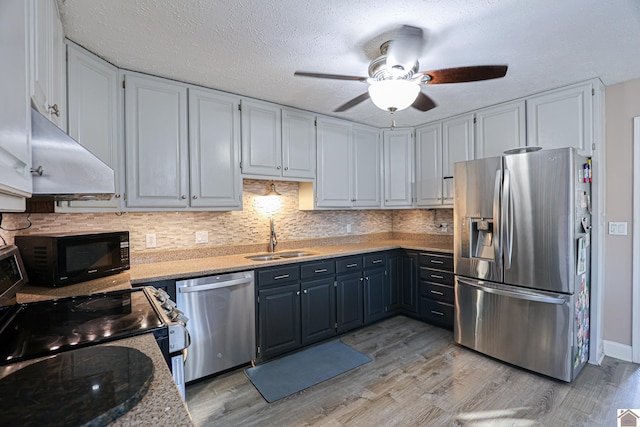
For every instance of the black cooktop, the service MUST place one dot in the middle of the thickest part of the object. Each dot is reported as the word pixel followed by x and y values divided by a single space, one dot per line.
pixel 41 328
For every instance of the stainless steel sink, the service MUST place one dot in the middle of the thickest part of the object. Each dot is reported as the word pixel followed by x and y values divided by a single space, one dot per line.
pixel 278 255
pixel 262 257
pixel 295 254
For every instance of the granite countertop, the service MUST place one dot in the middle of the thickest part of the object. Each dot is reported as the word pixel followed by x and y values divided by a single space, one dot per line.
pixel 32 293
pixel 161 405
pixel 183 269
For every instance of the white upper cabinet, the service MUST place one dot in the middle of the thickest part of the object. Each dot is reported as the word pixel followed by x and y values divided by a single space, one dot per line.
pixel 93 119
pixel 367 167
pixel 429 165
pixel 214 149
pixel 457 146
pixel 349 167
pixel 334 156
pixel 261 138
pixel 298 144
pixel 277 142
pixel 15 118
pixel 500 128
pixel 398 167
pixel 47 64
pixel 157 165
pixel 562 118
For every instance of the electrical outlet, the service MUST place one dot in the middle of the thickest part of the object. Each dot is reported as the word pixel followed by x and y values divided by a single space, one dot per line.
pixel 618 228
pixel 151 240
pixel 202 236
pixel 348 228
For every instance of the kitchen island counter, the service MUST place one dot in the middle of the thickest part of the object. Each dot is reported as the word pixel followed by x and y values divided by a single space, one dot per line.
pixel 183 269
pixel 161 405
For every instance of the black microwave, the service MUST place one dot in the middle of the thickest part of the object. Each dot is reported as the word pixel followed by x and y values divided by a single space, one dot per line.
pixel 60 259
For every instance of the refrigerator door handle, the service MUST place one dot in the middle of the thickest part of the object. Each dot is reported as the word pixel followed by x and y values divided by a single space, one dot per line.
pixel 522 295
pixel 507 218
pixel 497 253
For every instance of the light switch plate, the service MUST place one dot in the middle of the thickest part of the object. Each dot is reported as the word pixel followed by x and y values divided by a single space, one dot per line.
pixel 618 228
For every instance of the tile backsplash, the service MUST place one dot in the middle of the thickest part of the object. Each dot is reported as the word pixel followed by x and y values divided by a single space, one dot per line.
pixel 176 230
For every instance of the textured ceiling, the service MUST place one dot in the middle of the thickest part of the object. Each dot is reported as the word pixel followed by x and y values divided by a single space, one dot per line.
pixel 253 47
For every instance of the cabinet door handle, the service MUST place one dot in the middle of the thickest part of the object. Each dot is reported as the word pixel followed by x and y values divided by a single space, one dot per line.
pixel 439 313
pixel 321 270
pixel 361 279
pixel 195 197
pixel 53 109
pixel 376 261
pixel 278 167
pixel 306 291
pixel 282 276
pixel 286 168
pixel 435 276
pixel 298 293
pixel 435 261
pixel 38 171
pixel 437 292
pixel 117 196
pixel 183 197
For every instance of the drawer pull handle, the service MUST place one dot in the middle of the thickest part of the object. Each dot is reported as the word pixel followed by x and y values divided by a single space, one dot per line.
pixel 434 261
pixel 321 270
pixel 439 313
pixel 376 261
pixel 436 276
pixel 351 265
pixel 282 276
pixel 437 292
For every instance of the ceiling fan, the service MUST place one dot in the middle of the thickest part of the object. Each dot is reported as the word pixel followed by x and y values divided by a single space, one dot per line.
pixel 394 80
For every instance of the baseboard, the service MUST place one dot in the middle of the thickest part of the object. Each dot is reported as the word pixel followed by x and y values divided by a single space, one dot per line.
pixel 618 351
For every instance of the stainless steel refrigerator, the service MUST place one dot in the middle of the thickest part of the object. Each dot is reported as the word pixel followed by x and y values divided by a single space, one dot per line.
pixel 522 259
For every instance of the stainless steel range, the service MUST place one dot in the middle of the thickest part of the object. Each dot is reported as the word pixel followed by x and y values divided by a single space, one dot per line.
pixel 37 329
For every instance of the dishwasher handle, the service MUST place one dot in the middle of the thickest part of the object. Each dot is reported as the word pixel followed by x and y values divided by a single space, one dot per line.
pixel 217 285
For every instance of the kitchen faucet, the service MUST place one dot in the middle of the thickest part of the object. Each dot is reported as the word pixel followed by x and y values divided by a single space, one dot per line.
pixel 273 241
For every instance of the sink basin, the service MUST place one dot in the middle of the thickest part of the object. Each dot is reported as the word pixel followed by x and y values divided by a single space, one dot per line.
pixel 262 257
pixel 278 255
pixel 294 254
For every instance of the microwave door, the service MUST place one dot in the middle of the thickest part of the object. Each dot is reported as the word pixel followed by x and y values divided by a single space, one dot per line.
pixel 477 227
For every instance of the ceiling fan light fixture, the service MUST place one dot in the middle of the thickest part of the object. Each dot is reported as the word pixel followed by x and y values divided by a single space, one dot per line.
pixel 393 95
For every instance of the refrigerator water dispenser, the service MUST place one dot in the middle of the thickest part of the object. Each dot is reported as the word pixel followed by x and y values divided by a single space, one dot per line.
pixel 477 238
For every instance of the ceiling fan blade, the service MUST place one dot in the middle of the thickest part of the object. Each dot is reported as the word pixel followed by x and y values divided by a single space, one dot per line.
pixel 355 101
pixel 423 103
pixel 404 49
pixel 330 76
pixel 466 74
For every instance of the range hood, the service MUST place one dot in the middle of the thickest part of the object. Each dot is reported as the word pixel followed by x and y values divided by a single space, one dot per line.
pixel 63 169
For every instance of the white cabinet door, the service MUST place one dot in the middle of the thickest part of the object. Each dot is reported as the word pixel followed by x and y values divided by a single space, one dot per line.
pixel 562 118
pixel 457 146
pixel 367 166
pixel 333 182
pixel 58 84
pixel 47 83
pixel 156 142
pixel 93 118
pixel 398 167
pixel 40 38
pixel 15 113
pixel 500 128
pixel 429 165
pixel 261 138
pixel 214 149
pixel 298 144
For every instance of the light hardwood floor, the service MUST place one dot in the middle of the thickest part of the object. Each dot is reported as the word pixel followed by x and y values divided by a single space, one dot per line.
pixel 419 377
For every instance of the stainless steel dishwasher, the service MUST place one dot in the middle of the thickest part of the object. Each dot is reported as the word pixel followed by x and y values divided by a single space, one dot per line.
pixel 221 312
